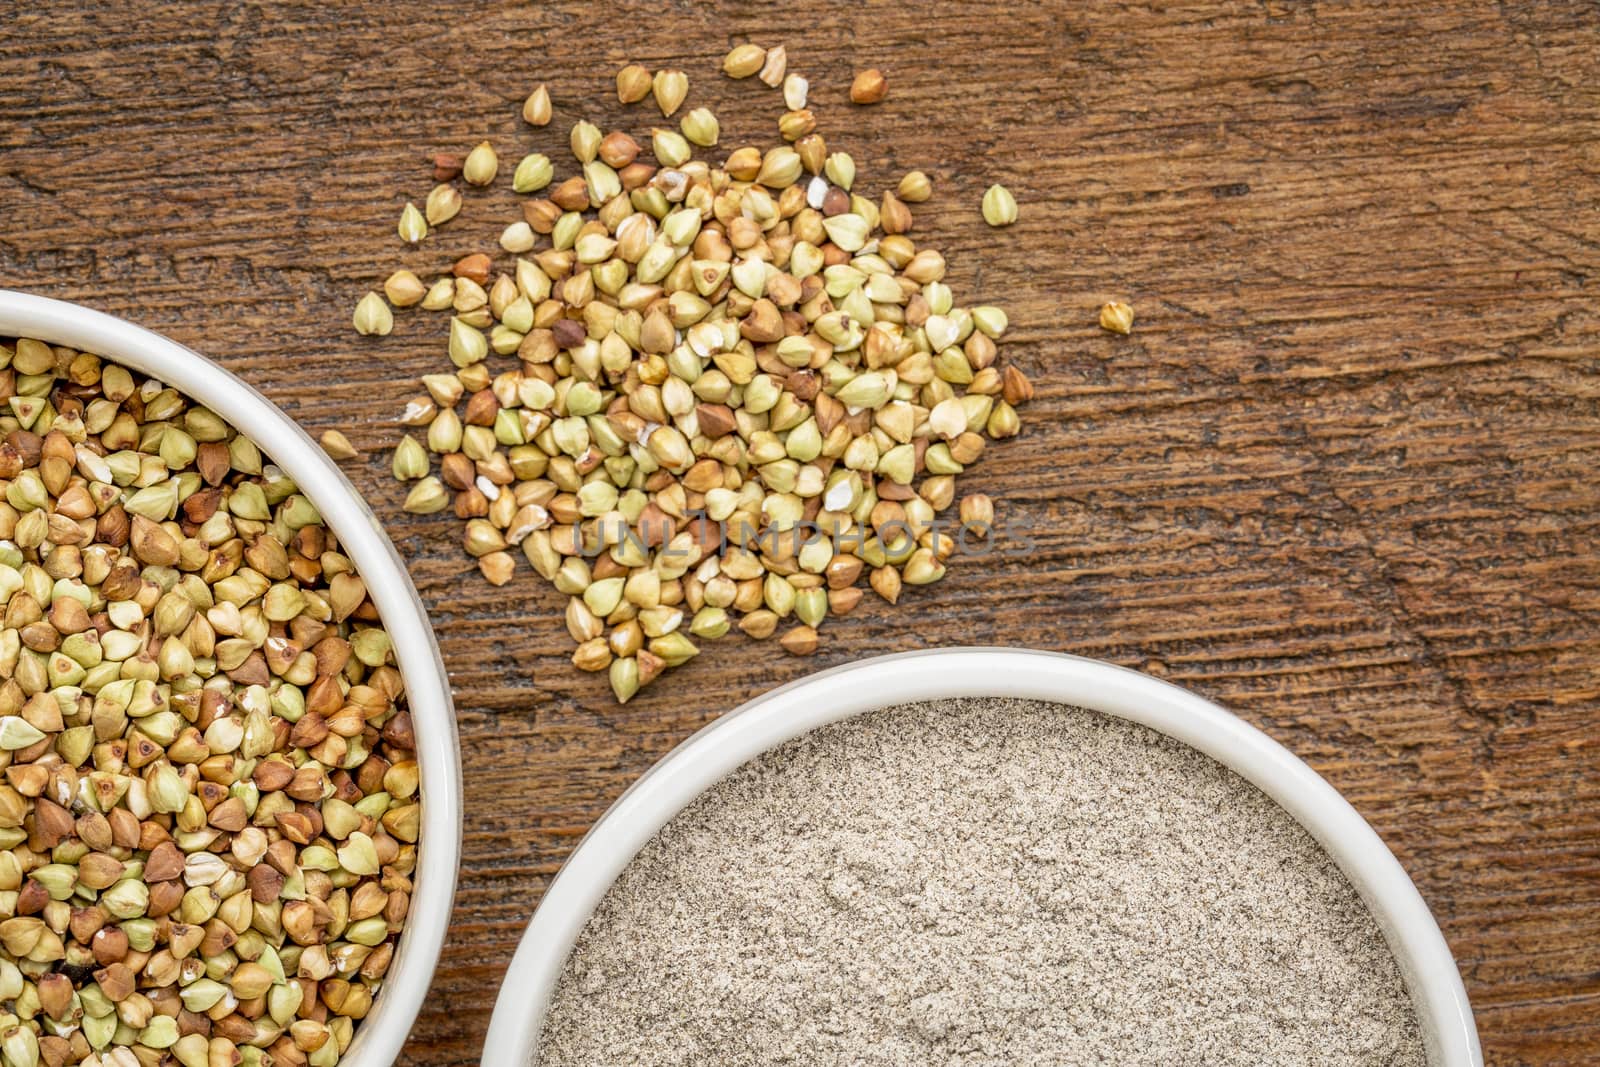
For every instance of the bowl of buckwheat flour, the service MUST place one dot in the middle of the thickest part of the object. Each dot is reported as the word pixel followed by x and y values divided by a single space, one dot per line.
pixel 981 857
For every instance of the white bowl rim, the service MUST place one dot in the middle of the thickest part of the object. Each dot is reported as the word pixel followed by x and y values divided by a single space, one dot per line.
pixel 383 1032
pixel 841 692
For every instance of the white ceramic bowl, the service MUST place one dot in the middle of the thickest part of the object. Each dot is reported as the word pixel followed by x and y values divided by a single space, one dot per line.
pixel 832 695
pixel 380 1036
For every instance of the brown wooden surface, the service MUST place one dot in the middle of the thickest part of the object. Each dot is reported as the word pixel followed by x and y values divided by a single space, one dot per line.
pixel 1342 478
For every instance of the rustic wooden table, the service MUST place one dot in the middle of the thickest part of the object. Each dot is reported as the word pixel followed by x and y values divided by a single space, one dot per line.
pixel 1341 477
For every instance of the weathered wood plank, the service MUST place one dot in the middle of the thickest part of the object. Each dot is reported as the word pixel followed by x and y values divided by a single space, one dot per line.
pixel 1340 477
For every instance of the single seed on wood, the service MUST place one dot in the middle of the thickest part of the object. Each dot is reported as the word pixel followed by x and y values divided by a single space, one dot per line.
pixel 474 267
pixel 585 141
pixel 442 205
pixel 744 61
pixel 775 66
pixel 795 90
pixel 1117 317
pixel 617 149
pixel 427 497
pixel 700 127
pixel 999 206
pixel 533 173
pixel 840 169
pixel 413 227
pixel 893 216
pixel 497 567
pixel 868 87
pixel 624 676
pixel 977 511
pixel 915 187
pixel 481 165
pixel 372 316
pixel 337 445
pixel 446 166
pixel 800 641
pixel 886 583
pixel 536 109
pixel 633 84
pixel 404 289
pixel 670 88
pixel 1015 386
pixel 794 125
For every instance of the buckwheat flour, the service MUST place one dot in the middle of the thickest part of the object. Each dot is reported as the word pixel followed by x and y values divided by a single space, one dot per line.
pixel 982 882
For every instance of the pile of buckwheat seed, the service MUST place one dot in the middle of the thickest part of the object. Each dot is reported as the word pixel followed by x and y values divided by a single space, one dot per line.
pixel 701 393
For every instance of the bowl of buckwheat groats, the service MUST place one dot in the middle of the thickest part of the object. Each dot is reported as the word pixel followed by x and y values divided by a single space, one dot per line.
pixel 229 781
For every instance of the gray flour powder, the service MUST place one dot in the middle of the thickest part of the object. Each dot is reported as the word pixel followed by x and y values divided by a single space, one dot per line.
pixel 982 882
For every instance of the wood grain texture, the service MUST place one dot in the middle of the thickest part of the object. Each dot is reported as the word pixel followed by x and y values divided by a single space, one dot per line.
pixel 1341 477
